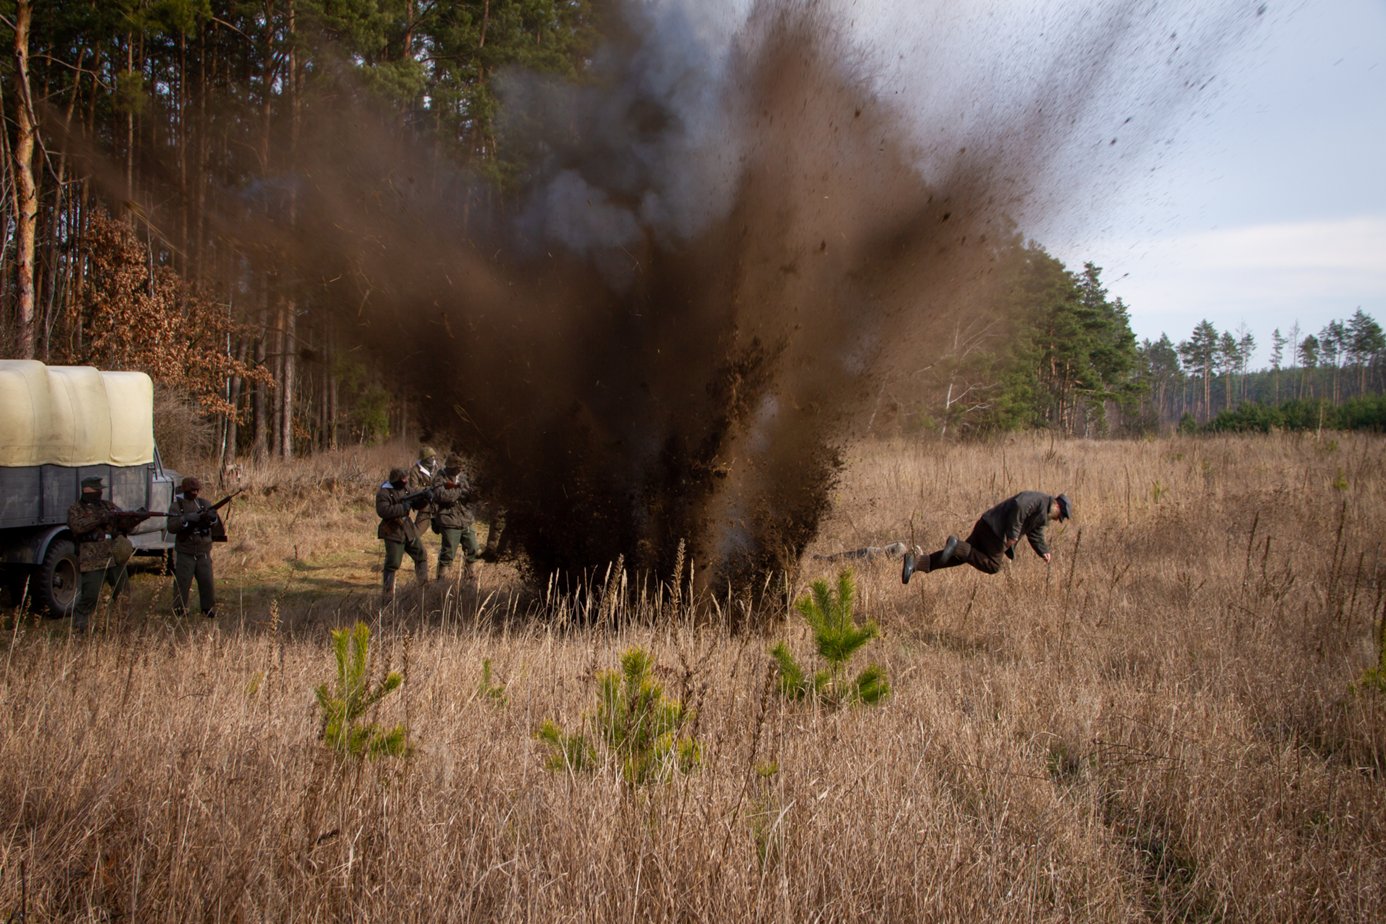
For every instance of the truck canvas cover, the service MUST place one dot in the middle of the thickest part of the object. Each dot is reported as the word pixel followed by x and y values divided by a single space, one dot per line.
pixel 74 415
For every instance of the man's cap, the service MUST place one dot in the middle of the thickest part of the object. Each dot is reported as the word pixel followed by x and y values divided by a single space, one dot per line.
pixel 454 460
pixel 93 482
pixel 398 475
pixel 426 453
pixel 1065 507
pixel 190 484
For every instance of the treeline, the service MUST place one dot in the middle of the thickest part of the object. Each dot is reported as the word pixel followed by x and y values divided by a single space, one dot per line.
pixel 1058 353
pixel 144 138
pixel 1209 374
pixel 1362 412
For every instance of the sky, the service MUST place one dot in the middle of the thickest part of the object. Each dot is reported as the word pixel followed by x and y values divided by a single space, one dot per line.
pixel 1268 208
pixel 1256 201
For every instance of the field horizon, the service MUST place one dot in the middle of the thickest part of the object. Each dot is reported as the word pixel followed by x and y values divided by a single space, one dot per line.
pixel 1174 720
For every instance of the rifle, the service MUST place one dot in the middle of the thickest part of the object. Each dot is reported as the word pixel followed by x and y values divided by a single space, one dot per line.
pixel 225 500
pixel 412 500
pixel 127 520
pixel 208 521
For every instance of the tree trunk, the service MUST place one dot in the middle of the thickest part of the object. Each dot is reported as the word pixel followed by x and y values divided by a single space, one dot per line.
pixel 26 191
pixel 288 306
pixel 284 413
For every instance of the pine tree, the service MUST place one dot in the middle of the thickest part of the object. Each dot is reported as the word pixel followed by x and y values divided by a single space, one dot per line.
pixel 837 638
pixel 344 707
pixel 1200 357
pixel 1365 346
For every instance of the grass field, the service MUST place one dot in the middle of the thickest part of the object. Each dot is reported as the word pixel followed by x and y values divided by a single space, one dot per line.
pixel 1160 725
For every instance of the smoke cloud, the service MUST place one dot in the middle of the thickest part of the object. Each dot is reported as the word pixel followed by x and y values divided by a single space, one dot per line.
pixel 742 218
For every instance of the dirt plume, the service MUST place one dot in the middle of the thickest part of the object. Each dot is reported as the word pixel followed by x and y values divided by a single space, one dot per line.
pixel 728 233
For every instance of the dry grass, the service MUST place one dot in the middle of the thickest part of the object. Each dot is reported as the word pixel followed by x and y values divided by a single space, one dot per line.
pixel 1158 726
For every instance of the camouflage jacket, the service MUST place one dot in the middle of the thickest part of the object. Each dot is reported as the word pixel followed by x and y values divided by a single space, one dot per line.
pixel 191 522
pixel 452 500
pixel 395 524
pixel 1026 515
pixel 93 527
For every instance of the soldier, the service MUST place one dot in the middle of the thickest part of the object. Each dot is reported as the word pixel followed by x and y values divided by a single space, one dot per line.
pixel 393 504
pixel 425 469
pixel 193 522
pixel 453 518
pixel 996 533
pixel 94 526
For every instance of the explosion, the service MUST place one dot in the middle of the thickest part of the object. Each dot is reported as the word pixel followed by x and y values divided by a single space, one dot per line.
pixel 656 346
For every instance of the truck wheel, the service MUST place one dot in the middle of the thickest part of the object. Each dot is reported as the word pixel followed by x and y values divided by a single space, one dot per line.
pixel 56 583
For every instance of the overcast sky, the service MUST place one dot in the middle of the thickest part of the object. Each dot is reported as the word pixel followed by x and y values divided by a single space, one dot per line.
pixel 1270 206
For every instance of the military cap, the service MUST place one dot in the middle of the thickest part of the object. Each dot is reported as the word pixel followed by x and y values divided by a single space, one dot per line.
pixel 454 460
pixel 426 453
pixel 93 482
pixel 398 476
pixel 1065 507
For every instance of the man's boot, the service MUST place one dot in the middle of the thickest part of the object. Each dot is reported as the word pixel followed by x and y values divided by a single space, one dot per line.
pixel 387 591
pixel 916 562
pixel 949 547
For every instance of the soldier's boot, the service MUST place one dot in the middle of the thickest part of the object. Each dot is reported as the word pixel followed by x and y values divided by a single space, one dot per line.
pixel 387 589
pixel 950 548
pixel 443 569
pixel 916 562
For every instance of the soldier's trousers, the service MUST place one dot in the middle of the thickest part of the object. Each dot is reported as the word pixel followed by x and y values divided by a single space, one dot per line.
pixel 982 549
pixel 394 557
pixel 465 537
pixel 89 591
pixel 186 567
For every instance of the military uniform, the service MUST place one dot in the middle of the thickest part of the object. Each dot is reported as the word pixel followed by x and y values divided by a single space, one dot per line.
pixel 453 517
pixel 398 530
pixel 92 521
pixel 193 522
pixel 422 474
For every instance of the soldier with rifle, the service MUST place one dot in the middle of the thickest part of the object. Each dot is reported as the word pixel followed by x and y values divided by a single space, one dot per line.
pixel 422 474
pixel 453 519
pixel 393 504
pixel 99 528
pixel 195 525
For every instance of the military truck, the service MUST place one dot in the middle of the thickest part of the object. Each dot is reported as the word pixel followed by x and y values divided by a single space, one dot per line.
pixel 58 425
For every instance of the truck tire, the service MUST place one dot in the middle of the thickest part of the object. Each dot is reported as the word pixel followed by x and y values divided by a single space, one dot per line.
pixel 56 583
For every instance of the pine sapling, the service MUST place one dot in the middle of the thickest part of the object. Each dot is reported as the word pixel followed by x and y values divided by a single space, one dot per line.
pixel 837 637
pixel 495 692
pixel 640 729
pixel 344 709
